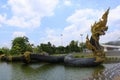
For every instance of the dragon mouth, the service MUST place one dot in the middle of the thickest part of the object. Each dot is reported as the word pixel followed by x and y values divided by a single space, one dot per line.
pixel 103 32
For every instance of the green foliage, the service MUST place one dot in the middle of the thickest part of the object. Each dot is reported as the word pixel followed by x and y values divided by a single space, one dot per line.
pixel 60 50
pixel 74 46
pixel 1 52
pixel 20 45
pixel 48 48
pixel 5 51
pixel 37 49
pixel 51 49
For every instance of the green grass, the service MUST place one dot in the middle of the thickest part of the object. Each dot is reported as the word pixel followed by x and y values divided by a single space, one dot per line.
pixel 83 55
pixel 76 55
pixel 58 54
pixel 112 59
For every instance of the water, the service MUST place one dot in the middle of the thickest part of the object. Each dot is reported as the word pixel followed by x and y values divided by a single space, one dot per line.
pixel 20 71
pixel 110 72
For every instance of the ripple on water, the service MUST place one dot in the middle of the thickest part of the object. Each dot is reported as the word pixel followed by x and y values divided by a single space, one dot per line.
pixel 109 73
pixel 20 71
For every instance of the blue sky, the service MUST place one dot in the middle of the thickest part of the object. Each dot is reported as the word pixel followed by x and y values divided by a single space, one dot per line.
pixel 45 20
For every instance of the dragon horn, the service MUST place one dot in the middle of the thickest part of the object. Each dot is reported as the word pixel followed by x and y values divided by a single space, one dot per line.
pixel 87 37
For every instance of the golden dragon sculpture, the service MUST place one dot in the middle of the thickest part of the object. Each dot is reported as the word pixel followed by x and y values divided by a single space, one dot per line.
pixel 98 29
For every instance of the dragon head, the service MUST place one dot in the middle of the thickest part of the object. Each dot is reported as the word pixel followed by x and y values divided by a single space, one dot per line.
pixel 100 27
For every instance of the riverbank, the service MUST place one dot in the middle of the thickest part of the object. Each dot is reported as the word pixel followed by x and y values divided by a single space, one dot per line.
pixel 112 57
pixel 112 53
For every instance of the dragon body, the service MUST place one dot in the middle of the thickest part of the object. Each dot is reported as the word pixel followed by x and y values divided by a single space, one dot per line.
pixel 98 29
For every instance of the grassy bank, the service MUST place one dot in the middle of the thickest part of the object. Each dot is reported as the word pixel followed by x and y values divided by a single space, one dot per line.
pixel 111 59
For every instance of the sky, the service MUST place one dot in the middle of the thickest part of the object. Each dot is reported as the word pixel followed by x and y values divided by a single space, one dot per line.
pixel 56 21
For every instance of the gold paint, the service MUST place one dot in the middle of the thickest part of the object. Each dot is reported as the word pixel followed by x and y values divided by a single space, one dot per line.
pixel 97 29
pixel 2 55
pixel 27 56
pixel 10 58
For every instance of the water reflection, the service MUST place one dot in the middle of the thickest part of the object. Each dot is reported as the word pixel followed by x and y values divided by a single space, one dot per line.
pixel 37 72
pixel 19 71
pixel 77 73
pixel 5 71
pixel 98 71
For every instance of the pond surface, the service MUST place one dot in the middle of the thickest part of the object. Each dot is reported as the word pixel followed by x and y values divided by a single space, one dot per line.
pixel 20 71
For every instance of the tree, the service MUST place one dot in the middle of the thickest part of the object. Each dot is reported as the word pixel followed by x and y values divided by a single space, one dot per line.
pixel 20 45
pixel 5 50
pixel 73 46
pixel 37 49
pixel 47 48
pixel 1 52
pixel 60 50
pixel 82 46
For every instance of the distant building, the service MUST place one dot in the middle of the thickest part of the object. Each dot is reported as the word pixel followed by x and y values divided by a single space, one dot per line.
pixel 111 48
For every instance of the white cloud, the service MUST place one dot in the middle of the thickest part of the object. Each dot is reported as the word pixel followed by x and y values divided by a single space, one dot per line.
pixel 113 25
pixel 81 20
pixel 114 17
pixel 18 34
pixel 111 36
pixel 29 13
pixel 84 14
pixel 52 36
pixel 67 2
pixel 80 23
pixel 2 19
pixel 22 23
